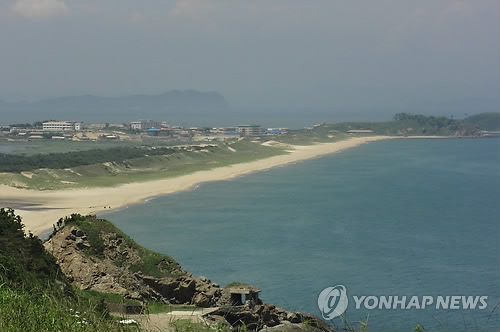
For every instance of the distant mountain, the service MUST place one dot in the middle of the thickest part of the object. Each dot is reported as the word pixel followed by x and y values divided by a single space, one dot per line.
pixel 115 109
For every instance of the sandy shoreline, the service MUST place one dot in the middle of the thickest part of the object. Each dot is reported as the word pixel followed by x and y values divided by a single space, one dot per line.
pixel 41 209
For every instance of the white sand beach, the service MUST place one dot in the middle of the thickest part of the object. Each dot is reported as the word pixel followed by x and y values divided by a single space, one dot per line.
pixel 41 209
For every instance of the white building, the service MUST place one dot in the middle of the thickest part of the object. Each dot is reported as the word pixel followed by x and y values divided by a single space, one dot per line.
pixel 250 130
pixel 136 125
pixel 58 125
pixel 79 126
pixel 147 124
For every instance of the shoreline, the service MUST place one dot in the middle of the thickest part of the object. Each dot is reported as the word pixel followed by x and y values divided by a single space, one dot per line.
pixel 49 206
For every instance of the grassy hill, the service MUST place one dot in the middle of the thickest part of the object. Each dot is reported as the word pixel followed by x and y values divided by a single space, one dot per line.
pixel 150 263
pixel 35 296
pixel 485 121
pixel 405 124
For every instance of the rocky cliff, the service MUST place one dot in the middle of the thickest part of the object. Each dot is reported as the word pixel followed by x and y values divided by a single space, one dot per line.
pixel 95 255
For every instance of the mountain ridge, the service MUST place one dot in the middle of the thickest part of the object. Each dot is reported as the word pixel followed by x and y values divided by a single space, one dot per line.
pixel 92 108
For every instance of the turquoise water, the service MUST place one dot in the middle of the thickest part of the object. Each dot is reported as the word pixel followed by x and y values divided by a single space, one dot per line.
pixel 399 217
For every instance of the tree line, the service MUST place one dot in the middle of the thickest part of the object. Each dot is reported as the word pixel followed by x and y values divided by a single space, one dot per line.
pixel 19 163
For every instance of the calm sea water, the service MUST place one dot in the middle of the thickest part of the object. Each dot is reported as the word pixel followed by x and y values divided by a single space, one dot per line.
pixel 399 217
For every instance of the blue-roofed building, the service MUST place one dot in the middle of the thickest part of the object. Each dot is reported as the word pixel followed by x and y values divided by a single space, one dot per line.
pixel 153 132
pixel 276 131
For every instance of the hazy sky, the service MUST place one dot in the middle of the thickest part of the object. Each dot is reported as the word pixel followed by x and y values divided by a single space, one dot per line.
pixel 263 53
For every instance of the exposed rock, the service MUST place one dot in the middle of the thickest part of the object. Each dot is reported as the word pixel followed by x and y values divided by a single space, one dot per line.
pixel 219 323
pixel 310 319
pixel 201 300
pixel 185 290
pixel 267 316
pixel 290 327
pixel 108 270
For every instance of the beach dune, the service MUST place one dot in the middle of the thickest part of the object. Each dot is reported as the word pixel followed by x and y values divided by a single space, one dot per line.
pixel 41 209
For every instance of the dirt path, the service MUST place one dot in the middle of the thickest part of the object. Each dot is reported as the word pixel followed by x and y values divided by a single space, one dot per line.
pixel 164 321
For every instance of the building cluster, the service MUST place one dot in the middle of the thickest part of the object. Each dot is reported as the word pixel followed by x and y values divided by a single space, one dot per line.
pixel 148 124
pixel 63 130
pixel 208 134
pixel 140 129
pixel 252 130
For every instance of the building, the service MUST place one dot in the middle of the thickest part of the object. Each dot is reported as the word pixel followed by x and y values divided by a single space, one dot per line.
pixel 147 124
pixel 250 130
pixel 251 294
pixel 96 126
pixel 136 125
pixel 117 125
pixel 58 125
pixel 486 133
pixel 276 131
pixel 79 126
pixel 164 132
pixel 153 132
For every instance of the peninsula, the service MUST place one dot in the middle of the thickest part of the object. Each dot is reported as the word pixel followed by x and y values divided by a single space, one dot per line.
pixel 47 180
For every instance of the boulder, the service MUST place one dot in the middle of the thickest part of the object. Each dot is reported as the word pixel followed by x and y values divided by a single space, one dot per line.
pixel 202 300
pixel 310 320
pixel 185 291
pixel 289 327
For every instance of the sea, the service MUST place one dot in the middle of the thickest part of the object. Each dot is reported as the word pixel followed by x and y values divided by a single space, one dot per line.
pixel 402 217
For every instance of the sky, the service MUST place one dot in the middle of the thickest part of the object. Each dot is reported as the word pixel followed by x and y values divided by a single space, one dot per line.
pixel 279 54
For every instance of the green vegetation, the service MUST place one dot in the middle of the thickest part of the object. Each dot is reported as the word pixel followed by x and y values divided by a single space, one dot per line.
pixel 18 163
pixel 152 263
pixel 403 124
pixel 411 125
pixel 53 146
pixel 36 297
pixel 98 297
pixel 236 284
pixel 154 164
pixel 24 263
pixel 23 311
pixel 37 124
pixel 485 121
pixel 30 148
pixel 160 307
pixel 64 165
pixel 34 294
pixel 318 134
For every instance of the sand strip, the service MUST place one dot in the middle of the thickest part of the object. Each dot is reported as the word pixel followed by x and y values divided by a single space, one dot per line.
pixel 49 206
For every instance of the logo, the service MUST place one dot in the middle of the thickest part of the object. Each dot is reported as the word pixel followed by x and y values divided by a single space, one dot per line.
pixel 333 301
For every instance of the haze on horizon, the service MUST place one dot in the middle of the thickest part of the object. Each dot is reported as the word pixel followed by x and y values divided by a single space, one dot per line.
pixel 259 54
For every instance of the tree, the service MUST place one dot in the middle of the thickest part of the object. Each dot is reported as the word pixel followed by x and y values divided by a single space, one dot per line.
pixel 23 259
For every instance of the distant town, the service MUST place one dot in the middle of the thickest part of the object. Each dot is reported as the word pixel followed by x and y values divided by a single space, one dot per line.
pixel 403 124
pixel 141 129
